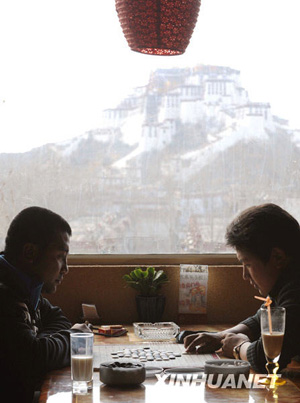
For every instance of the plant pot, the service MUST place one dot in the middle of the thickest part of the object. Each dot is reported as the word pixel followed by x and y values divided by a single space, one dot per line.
pixel 150 309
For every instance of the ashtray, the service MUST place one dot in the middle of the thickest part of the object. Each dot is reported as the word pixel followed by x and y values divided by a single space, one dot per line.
pixel 156 331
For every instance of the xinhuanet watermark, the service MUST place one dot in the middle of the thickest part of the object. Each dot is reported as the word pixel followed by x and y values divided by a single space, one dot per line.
pixel 213 381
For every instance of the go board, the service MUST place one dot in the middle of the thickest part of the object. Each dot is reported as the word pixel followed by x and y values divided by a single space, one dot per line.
pixel 159 354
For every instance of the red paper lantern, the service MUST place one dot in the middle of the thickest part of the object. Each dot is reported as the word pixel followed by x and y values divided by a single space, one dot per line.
pixel 158 27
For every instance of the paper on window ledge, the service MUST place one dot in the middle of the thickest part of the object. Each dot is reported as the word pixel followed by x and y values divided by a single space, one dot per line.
pixel 90 312
pixel 193 288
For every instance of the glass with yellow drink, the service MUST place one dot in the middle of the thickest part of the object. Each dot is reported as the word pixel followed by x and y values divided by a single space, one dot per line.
pixel 272 332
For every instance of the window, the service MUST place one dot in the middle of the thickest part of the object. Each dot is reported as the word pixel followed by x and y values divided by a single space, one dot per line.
pixel 148 154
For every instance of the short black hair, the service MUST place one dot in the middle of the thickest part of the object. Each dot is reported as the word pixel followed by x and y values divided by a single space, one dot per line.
pixel 35 225
pixel 259 229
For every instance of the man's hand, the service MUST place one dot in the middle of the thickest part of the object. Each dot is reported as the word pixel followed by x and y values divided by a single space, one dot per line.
pixel 83 327
pixel 230 341
pixel 203 342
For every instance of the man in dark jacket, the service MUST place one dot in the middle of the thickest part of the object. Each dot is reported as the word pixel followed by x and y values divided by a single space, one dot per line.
pixel 34 335
pixel 267 242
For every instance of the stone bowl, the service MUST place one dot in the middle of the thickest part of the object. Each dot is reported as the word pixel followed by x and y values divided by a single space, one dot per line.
pixel 227 367
pixel 117 373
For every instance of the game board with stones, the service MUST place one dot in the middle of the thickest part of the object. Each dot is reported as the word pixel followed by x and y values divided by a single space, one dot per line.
pixel 161 354
pixel 145 354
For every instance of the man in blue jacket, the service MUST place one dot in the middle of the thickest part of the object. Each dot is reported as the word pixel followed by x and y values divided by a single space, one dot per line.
pixel 34 335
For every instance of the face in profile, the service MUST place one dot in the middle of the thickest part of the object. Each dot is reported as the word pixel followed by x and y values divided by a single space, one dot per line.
pixel 51 264
pixel 261 275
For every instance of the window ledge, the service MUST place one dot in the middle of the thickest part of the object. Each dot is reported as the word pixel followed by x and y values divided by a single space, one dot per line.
pixel 154 259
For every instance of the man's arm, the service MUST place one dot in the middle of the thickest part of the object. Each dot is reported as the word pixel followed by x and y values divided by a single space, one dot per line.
pixel 248 340
pixel 211 342
pixel 52 319
pixel 253 350
pixel 25 355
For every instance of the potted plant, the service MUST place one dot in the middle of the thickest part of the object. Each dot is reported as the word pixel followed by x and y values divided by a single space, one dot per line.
pixel 148 282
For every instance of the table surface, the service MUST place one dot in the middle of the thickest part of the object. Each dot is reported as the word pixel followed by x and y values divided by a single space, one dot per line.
pixel 57 386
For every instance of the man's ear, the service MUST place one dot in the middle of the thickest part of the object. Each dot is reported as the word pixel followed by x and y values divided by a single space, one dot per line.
pixel 30 252
pixel 279 258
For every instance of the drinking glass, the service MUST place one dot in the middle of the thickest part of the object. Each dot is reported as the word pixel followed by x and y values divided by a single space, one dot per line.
pixel 82 361
pixel 272 331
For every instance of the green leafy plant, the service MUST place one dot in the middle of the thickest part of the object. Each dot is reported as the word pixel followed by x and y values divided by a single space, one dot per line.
pixel 147 281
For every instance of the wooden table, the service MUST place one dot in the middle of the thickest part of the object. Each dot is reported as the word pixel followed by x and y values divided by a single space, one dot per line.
pixel 57 387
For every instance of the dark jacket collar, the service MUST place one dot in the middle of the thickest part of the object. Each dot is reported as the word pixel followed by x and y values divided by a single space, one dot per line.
pixel 290 272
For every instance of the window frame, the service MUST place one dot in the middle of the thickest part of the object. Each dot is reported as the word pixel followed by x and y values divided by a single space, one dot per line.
pixel 211 259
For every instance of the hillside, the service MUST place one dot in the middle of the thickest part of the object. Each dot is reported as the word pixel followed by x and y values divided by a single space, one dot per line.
pixel 166 171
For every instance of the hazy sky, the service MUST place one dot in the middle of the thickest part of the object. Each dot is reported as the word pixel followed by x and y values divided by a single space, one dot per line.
pixel 63 61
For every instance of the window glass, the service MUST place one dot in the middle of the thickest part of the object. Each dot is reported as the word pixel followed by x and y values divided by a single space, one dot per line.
pixel 148 154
